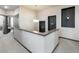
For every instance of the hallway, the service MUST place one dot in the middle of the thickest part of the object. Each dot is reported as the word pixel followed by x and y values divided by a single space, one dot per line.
pixel 9 45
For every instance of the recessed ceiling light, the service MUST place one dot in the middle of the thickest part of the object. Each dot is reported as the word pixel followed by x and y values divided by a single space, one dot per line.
pixel 6 7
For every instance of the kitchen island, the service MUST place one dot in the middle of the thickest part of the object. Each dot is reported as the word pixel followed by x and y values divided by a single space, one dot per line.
pixel 37 42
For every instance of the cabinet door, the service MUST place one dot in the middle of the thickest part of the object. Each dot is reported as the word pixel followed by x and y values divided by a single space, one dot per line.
pixel 41 26
pixel 51 22
pixel 68 17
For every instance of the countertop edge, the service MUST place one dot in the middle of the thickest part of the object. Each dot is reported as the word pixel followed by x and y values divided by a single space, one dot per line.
pixel 42 34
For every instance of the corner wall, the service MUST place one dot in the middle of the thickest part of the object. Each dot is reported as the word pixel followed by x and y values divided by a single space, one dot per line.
pixel 72 33
pixel 26 17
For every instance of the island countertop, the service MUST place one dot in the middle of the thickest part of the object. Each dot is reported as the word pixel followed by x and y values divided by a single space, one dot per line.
pixel 38 33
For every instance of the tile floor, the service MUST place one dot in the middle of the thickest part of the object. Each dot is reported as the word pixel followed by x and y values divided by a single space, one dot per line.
pixel 67 46
pixel 9 45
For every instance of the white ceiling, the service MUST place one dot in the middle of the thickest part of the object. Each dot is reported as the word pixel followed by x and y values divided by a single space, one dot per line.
pixel 32 7
pixel 10 7
pixel 38 7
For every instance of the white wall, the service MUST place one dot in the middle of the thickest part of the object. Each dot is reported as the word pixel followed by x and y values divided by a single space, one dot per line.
pixel 1 20
pixel 37 43
pixel 2 12
pixel 26 17
pixel 1 17
pixel 72 33
pixel 16 21
pixel 33 42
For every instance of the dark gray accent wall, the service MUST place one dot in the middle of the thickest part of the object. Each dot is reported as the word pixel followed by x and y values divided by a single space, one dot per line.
pixel 51 22
pixel 68 17
pixel 41 26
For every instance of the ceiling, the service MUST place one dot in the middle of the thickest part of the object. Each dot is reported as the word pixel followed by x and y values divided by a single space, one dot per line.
pixel 32 7
pixel 38 7
pixel 10 7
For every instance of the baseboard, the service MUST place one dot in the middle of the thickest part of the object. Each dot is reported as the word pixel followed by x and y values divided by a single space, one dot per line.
pixel 69 39
pixel 31 51
pixel 55 47
pixel 23 45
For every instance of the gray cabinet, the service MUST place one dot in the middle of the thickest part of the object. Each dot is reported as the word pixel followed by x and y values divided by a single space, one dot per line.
pixel 68 17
